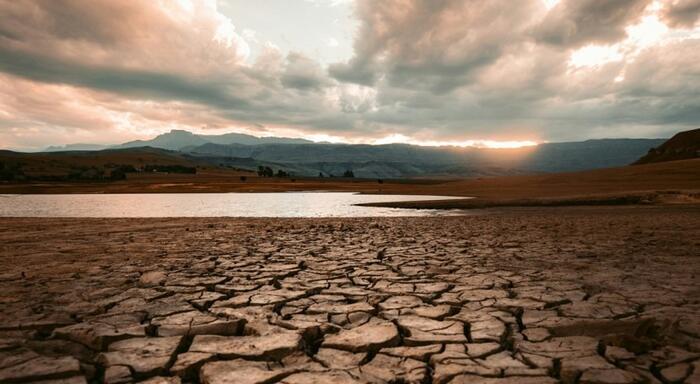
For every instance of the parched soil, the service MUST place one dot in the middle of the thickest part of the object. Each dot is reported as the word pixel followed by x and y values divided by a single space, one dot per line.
pixel 530 295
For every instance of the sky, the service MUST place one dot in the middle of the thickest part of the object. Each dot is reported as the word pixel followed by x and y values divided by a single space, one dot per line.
pixel 428 72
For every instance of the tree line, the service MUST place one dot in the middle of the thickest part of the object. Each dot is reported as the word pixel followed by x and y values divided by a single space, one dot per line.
pixel 14 171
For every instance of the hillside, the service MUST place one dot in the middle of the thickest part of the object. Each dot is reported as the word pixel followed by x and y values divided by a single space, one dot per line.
pixel 306 158
pixel 682 146
pixel 401 161
pixel 677 181
pixel 663 176
pixel 178 139
pixel 91 165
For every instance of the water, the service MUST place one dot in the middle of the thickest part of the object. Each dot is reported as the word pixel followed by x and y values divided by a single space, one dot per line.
pixel 291 204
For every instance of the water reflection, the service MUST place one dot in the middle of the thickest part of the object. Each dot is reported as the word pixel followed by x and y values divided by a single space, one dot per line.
pixel 291 204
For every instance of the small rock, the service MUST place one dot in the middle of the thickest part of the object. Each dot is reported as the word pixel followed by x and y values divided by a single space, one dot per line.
pixel 161 380
pixel 117 374
pixel 337 359
pixel 151 279
pixel 335 377
pixel 607 376
pixel 418 353
pixel 143 355
pixel 40 368
pixel 573 366
pixel 242 372
pixel 371 336
pixel 471 379
pixel 536 334
pixel 197 323
pixel 677 372
pixel 270 347
pixel 384 368
pixel 421 331
pixel 188 363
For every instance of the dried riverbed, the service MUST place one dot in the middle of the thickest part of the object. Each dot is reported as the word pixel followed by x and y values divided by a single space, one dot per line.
pixel 573 295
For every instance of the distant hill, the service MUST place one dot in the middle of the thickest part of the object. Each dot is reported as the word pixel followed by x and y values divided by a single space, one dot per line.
pixel 306 158
pixel 177 139
pixel 682 146
pixel 585 155
pixel 400 160
pixel 90 165
pixel 367 161
pixel 75 147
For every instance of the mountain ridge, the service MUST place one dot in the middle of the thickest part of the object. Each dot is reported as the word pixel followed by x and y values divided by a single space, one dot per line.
pixel 682 146
pixel 307 158
pixel 401 160
pixel 177 139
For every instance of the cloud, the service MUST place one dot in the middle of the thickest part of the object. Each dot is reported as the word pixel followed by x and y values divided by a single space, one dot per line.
pixel 300 72
pixel 168 36
pixel 682 13
pixel 466 66
pixel 130 82
pixel 575 23
pixel 161 52
pixel 435 45
pixel 427 70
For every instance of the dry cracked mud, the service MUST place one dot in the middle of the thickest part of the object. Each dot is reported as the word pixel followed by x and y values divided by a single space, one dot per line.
pixel 571 295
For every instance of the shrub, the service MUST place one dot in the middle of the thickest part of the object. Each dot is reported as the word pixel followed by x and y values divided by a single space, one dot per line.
pixel 170 168
pixel 265 171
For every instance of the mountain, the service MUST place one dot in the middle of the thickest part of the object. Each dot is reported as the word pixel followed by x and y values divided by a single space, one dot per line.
pixel 585 155
pixel 303 157
pixel 301 153
pixel 177 139
pixel 75 147
pixel 401 160
pixel 682 146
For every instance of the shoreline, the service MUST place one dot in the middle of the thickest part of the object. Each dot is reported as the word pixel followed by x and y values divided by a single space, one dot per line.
pixel 675 182
pixel 691 198
pixel 646 198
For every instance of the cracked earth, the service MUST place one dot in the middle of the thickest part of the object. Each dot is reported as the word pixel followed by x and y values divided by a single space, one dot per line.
pixel 571 295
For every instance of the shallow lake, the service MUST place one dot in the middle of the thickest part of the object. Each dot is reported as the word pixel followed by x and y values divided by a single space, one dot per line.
pixel 289 204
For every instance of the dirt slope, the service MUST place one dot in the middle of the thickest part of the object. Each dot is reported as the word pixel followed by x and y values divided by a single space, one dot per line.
pixel 682 146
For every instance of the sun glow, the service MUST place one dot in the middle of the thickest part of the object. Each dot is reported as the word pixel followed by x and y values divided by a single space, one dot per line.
pixel 549 4
pixel 495 144
pixel 649 31
pixel 595 55
pixel 394 138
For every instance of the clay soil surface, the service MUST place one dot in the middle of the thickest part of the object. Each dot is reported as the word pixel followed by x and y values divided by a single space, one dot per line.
pixel 528 295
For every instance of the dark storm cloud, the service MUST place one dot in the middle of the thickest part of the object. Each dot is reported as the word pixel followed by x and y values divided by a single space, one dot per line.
pixel 683 13
pixel 433 45
pixel 302 73
pixel 137 83
pixel 578 22
pixel 357 71
pixel 457 69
